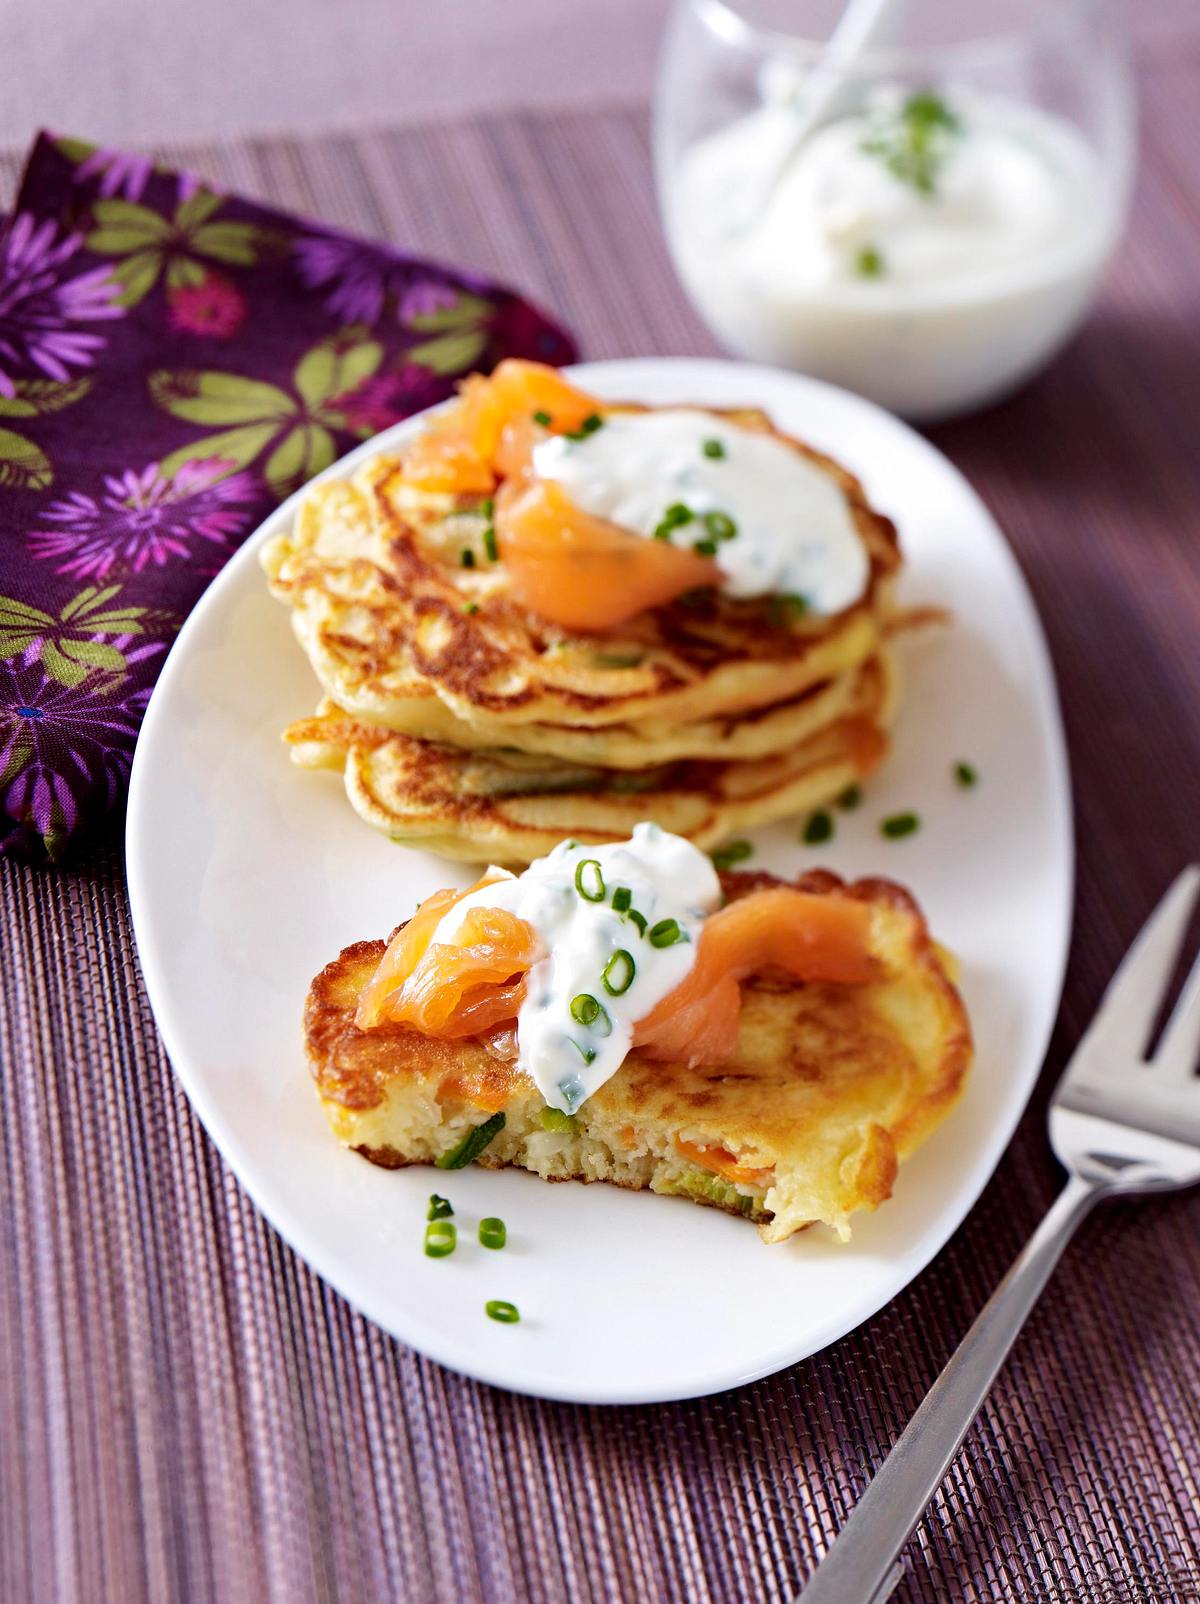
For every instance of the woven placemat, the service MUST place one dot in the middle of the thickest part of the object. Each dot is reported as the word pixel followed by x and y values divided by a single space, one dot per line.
pixel 188 1414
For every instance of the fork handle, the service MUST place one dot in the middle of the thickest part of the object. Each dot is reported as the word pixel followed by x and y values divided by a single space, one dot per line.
pixel 859 1567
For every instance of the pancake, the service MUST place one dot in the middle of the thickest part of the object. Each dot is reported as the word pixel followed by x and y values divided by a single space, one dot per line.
pixel 389 617
pixel 512 806
pixel 755 732
pixel 829 1089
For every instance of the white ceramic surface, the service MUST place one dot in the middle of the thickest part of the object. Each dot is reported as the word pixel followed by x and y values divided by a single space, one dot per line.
pixel 246 876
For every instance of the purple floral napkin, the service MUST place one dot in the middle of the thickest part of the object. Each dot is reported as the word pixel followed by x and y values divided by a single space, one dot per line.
pixel 173 362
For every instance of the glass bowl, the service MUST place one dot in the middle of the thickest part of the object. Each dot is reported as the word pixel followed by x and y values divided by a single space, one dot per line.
pixel 925 224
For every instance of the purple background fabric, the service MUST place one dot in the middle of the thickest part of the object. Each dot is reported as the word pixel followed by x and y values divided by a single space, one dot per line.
pixel 173 362
pixel 198 1418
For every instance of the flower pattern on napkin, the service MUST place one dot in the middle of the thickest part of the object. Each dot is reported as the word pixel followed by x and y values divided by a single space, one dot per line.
pixel 173 362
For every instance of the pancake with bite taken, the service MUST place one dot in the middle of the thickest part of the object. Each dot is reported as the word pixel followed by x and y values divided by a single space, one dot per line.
pixel 823 1090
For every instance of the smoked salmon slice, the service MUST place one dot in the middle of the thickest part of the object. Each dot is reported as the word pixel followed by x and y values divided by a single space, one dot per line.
pixel 445 461
pixel 382 998
pixel 471 986
pixel 494 428
pixel 582 572
pixel 810 937
pixel 519 390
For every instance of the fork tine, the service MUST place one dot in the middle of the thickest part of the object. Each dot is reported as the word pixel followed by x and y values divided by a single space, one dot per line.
pixel 1126 1014
pixel 1179 1046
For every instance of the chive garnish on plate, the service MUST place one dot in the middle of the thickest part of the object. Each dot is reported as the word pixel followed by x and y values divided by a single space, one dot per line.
pixel 542 418
pixel 899 824
pixel 441 1238
pixel 666 933
pixel 499 1309
pixel 850 798
pixel 713 448
pixel 720 525
pixel 965 776
pixel 440 1208
pixel 492 1232
pixel 490 546
pixel 622 899
pixel 818 828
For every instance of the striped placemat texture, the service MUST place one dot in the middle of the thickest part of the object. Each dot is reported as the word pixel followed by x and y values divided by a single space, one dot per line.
pixel 188 1414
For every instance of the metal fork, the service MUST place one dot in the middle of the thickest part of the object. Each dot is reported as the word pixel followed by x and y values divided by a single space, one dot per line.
pixel 1120 1124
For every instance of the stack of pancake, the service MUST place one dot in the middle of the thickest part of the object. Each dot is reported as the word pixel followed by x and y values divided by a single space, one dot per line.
pixel 465 724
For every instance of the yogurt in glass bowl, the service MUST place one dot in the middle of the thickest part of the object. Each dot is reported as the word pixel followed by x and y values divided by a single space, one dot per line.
pixel 926 224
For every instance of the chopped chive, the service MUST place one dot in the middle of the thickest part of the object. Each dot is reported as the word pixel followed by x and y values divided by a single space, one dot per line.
pixel 506 1313
pixel 678 513
pixel 543 418
pixel 639 919
pixel 471 607
pixel 590 424
pixel 705 548
pixel 466 557
pixel 618 659
pixel 713 448
pixel 441 1238
pixel 618 973
pixel 786 606
pixel 622 899
pixel 666 933
pixel 472 1144
pixel 489 544
pixel 588 1054
pixel 868 262
pixel 720 525
pixel 965 775
pixel 899 824
pixel 492 1232
pixel 439 1208
pixel 486 508
pixel 593 891
pixel 818 828
pixel 850 798
pixel 662 531
pixel 553 1119
pixel 733 852
pixel 585 1010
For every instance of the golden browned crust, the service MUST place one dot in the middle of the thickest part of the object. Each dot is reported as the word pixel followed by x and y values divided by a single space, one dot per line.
pixel 508 806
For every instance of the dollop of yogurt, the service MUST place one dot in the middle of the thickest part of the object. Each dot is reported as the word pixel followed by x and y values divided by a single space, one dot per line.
pixel 925 249
pixel 588 906
pixel 777 525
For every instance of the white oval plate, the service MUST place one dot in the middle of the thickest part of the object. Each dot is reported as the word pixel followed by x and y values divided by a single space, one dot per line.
pixel 247 876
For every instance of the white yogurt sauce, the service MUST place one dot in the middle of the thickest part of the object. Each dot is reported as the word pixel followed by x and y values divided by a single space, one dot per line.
pixel 795 534
pixel 927 299
pixel 668 878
